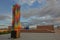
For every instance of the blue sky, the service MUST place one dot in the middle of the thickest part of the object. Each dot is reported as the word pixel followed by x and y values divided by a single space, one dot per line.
pixel 30 11
pixel 6 9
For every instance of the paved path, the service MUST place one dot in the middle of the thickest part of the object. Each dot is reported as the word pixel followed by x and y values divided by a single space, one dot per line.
pixel 34 36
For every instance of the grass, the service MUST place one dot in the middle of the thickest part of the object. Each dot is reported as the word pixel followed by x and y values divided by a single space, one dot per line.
pixel 1 33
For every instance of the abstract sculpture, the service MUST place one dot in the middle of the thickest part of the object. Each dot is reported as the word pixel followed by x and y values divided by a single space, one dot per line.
pixel 16 26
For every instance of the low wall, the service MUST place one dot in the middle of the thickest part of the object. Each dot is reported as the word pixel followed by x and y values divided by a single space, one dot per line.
pixel 48 27
pixel 41 29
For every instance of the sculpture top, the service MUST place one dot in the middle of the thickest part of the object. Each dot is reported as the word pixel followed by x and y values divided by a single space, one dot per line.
pixel 16 6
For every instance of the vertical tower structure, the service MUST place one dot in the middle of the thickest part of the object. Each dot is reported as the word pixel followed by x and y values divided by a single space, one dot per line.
pixel 16 26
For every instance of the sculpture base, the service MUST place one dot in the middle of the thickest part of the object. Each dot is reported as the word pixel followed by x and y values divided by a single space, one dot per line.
pixel 15 34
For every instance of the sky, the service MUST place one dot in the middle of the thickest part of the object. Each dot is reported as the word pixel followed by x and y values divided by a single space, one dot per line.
pixel 32 11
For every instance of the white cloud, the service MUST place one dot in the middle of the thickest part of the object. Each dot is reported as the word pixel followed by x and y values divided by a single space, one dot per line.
pixel 39 1
pixel 47 17
pixel 36 15
pixel 24 1
pixel 5 19
pixel 46 14
pixel 29 2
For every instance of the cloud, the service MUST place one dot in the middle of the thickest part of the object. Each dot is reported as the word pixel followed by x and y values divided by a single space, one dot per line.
pixel 3 17
pixel 46 15
pixel 24 1
pixel 29 2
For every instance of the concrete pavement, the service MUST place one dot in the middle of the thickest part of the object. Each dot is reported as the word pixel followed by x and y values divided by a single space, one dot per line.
pixel 34 36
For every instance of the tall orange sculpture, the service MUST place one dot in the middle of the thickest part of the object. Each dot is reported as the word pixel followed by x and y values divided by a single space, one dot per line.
pixel 16 26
